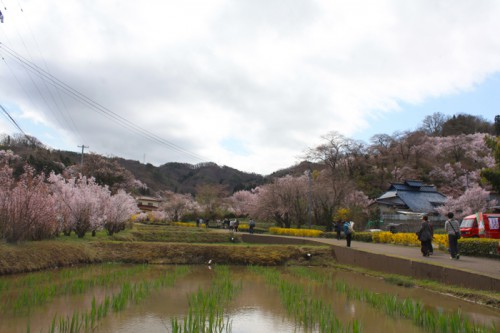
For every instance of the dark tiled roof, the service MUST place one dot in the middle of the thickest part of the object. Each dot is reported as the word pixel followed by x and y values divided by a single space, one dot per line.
pixel 414 183
pixel 422 202
pixel 418 197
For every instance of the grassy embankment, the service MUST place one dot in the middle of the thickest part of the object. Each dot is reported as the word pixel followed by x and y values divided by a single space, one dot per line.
pixel 182 245
pixel 155 245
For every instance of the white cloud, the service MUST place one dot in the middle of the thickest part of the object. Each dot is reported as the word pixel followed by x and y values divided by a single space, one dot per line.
pixel 271 75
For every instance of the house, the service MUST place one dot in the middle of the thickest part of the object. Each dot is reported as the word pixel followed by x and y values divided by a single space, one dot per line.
pixel 405 203
pixel 147 204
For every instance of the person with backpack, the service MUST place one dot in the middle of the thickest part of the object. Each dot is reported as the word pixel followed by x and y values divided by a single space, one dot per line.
pixel 348 231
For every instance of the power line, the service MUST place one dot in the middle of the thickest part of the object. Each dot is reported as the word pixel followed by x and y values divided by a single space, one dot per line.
pixel 59 114
pixel 27 64
pixel 15 124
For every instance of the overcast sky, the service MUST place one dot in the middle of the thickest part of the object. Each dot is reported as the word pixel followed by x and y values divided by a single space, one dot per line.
pixel 249 84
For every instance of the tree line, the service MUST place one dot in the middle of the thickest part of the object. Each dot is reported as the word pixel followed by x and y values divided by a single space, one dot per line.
pixel 341 179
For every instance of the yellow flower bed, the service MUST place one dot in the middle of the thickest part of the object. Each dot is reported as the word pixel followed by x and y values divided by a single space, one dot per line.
pixel 243 227
pixel 295 232
pixel 441 239
pixel 405 238
pixel 188 224
pixel 382 237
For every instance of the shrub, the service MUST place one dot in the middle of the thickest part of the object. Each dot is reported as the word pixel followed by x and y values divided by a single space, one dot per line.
pixel 382 237
pixel 363 236
pixel 329 235
pixel 295 232
pixel 479 247
pixel 398 238
pixel 441 240
pixel 188 224
pixel 243 227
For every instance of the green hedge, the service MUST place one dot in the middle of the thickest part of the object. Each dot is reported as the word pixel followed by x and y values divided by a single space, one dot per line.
pixel 363 237
pixel 479 247
pixel 358 236
pixel 329 234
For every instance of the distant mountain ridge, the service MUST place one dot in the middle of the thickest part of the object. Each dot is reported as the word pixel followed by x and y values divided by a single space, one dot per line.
pixel 185 177
pixel 172 176
pixel 371 167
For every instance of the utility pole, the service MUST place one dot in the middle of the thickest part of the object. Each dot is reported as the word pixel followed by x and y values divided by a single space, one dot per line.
pixel 83 147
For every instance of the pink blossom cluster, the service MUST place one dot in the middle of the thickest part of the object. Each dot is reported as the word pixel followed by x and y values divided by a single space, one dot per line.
pixel 35 207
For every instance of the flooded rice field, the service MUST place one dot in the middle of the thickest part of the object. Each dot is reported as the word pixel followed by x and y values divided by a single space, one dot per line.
pixel 142 298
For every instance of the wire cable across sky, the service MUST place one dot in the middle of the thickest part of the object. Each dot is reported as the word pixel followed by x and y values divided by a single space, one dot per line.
pixel 92 104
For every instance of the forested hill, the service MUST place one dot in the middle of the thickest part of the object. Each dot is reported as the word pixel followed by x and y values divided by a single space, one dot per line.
pixel 184 178
pixel 451 153
pixel 122 173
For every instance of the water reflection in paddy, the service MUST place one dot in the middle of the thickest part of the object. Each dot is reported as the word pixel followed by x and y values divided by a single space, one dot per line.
pixel 257 307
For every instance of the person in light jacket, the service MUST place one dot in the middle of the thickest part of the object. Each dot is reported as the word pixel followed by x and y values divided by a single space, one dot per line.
pixel 452 227
pixel 348 231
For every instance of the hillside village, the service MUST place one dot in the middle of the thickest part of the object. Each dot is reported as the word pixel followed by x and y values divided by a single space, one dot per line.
pixel 426 171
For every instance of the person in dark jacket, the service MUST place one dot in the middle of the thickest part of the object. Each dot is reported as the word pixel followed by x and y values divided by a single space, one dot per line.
pixel 425 235
pixel 338 228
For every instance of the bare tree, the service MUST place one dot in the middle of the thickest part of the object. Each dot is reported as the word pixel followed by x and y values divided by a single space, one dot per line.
pixel 433 124
pixel 210 198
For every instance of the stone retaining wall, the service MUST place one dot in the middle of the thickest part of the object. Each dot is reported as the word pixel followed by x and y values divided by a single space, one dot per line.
pixel 392 264
pixel 417 269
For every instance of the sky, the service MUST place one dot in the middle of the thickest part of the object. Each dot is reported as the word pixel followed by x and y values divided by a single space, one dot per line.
pixel 249 84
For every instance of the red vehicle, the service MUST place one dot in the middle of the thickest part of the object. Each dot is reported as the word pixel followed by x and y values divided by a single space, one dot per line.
pixel 483 225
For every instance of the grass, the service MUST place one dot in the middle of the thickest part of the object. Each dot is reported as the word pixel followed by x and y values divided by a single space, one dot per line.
pixel 428 319
pixel 69 251
pixel 295 285
pixel 206 308
pixel 313 313
pixel 476 296
pixel 24 293
pixel 310 313
pixel 129 292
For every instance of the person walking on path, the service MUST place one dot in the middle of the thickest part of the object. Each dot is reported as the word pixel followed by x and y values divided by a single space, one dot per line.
pixel 348 231
pixel 452 227
pixel 338 229
pixel 251 226
pixel 425 235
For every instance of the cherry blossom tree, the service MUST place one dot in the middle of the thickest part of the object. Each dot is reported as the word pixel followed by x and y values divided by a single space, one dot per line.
pixel 284 201
pixel 118 209
pixel 177 205
pixel 82 202
pixel 26 207
pixel 475 199
pixel 242 203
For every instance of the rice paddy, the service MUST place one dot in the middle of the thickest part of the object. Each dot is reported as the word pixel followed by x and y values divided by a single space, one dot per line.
pixel 223 299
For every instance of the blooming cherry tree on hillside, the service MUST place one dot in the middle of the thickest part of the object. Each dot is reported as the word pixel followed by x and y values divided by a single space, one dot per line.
pixel 81 201
pixel 242 202
pixel 118 210
pixel 474 200
pixel 176 205
pixel 26 207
